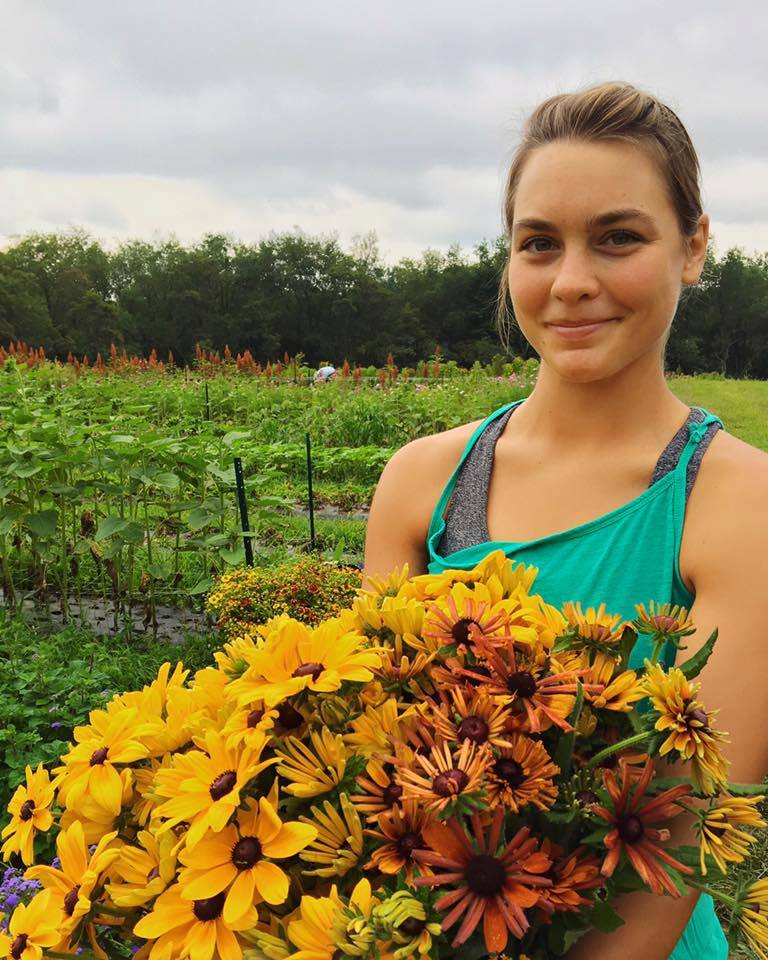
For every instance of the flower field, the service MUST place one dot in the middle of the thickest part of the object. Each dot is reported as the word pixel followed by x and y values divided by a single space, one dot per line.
pixel 118 486
pixel 449 766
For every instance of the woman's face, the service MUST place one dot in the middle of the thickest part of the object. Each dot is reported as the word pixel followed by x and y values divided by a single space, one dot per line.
pixel 566 269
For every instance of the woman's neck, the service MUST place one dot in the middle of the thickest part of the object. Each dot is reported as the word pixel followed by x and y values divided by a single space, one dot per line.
pixel 632 409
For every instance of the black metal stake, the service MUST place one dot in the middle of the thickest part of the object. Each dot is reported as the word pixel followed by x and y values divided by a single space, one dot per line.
pixel 311 497
pixel 247 541
pixel 207 404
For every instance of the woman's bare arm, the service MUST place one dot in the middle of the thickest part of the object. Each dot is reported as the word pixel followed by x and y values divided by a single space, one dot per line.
pixel 405 498
pixel 730 595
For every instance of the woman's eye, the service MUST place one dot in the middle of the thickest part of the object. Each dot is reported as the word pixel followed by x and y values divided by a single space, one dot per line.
pixel 628 238
pixel 623 233
pixel 527 244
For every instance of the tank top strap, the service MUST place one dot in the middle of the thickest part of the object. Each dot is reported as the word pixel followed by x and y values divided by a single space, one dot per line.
pixel 437 523
pixel 697 431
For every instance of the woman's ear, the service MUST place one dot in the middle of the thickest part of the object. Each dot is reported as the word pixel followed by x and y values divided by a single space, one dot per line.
pixel 696 251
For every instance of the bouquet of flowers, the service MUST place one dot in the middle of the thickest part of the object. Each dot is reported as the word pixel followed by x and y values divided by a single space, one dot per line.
pixel 449 767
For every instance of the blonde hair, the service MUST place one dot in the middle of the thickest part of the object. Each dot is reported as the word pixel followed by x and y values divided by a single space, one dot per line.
pixel 614 111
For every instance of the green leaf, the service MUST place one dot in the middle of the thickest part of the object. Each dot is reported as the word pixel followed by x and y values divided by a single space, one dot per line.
pixel 695 664
pixel 109 526
pixel 747 789
pixel 605 918
pixel 167 481
pixel 234 435
pixel 564 751
pixel 233 558
pixel 201 517
pixel 43 524
pixel 202 586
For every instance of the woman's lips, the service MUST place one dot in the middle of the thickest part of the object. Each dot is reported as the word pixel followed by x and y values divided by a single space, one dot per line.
pixel 579 332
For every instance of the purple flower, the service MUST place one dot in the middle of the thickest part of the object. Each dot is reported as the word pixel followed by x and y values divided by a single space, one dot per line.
pixel 56 724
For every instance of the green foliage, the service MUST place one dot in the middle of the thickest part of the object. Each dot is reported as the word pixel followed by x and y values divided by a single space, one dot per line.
pixel 292 292
pixel 48 685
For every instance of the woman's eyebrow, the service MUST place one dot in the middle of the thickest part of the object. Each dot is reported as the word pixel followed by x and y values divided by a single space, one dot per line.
pixel 602 220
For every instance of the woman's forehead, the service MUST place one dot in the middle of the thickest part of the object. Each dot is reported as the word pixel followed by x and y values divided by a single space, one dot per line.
pixel 587 179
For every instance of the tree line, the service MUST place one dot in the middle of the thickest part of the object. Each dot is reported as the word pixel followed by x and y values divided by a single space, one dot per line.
pixel 297 293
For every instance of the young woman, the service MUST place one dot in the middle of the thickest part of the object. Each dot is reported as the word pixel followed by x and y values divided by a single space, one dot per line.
pixel 615 489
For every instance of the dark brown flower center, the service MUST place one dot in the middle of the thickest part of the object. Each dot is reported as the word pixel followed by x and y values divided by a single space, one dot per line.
pixel 473 728
pixel 391 793
pixel 510 771
pixel 522 683
pixel 223 784
pixel 246 852
pixel 210 908
pixel 585 797
pixel 461 629
pixel 485 875
pixel 450 783
pixel 19 945
pixel 407 843
pixel 254 717
pixel 70 901
pixel 308 670
pixel 27 809
pixel 717 828
pixel 411 927
pixel 99 756
pixel 288 717
pixel 630 828
pixel 700 717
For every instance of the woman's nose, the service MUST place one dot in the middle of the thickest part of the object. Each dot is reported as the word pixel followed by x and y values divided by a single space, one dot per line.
pixel 575 276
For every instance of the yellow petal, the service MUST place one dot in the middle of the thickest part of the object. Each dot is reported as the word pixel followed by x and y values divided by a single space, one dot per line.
pixel 239 897
pixel 209 883
pixel 72 852
pixel 271 882
pixel 292 838
pixel 269 824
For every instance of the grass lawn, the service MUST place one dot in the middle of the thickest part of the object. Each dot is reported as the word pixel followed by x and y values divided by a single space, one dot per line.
pixel 742 405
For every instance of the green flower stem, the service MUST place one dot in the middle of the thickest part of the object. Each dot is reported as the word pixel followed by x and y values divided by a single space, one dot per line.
pixel 718 894
pixel 615 747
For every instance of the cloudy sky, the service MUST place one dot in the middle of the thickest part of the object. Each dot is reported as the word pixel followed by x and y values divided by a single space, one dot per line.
pixel 144 119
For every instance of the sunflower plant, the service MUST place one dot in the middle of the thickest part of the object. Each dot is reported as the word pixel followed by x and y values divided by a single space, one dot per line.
pixel 449 766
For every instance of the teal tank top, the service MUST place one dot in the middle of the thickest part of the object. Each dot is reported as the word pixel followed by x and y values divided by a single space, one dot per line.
pixel 627 556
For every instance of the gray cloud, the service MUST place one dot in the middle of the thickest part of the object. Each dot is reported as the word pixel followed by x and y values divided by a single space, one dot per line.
pixel 331 113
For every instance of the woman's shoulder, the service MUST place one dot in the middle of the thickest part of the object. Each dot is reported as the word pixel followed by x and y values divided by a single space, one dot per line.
pixel 728 502
pixel 435 455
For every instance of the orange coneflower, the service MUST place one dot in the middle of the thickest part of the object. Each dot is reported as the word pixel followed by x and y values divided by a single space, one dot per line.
pixel 238 860
pixel 631 830
pixel 719 833
pixel 753 921
pixel 193 928
pixel 595 628
pixel 400 834
pixel 203 789
pixel 382 792
pixel 579 870
pixel 689 725
pixel 464 613
pixel 522 774
pixel 30 812
pixel 476 717
pixel 446 774
pixel 527 684
pixel 491 884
